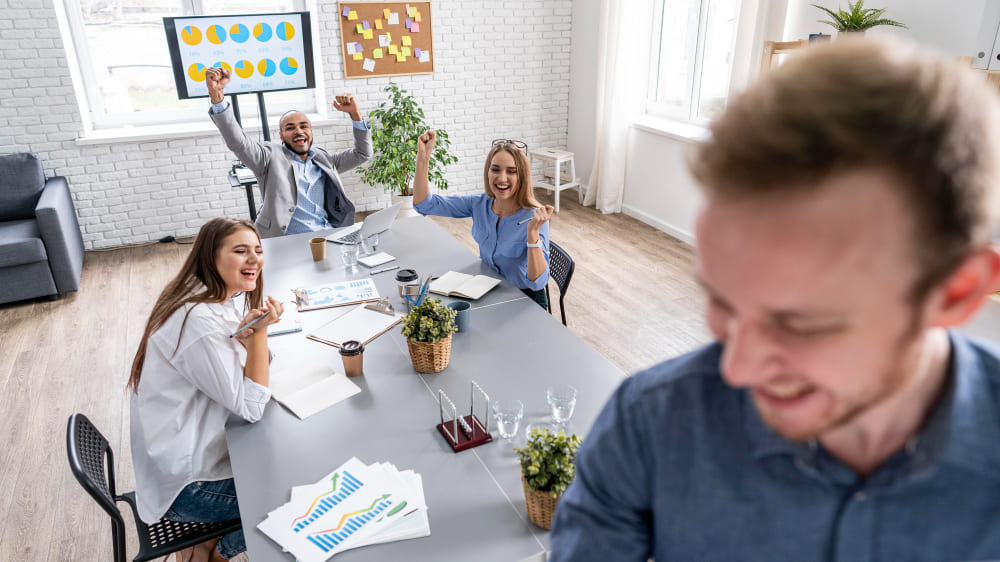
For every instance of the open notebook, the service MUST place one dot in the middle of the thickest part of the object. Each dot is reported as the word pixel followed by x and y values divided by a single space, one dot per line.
pixel 463 285
pixel 307 387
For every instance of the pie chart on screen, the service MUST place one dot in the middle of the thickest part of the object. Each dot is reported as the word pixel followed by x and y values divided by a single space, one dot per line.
pixel 239 33
pixel 285 31
pixel 216 34
pixel 244 68
pixel 225 65
pixel 262 32
pixel 197 72
pixel 289 66
pixel 265 67
pixel 191 35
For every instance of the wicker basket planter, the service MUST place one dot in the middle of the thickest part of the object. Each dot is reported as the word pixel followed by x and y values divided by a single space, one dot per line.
pixel 430 357
pixel 541 505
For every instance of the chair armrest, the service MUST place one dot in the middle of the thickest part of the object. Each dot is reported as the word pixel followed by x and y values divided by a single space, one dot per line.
pixel 61 235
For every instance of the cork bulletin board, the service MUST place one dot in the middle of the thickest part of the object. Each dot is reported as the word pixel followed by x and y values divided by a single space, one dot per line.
pixel 386 38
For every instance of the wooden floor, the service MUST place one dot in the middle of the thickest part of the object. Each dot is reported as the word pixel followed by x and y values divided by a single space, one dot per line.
pixel 632 298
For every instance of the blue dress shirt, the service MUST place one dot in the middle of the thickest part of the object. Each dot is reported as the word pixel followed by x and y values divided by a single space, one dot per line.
pixel 503 245
pixel 309 215
pixel 679 466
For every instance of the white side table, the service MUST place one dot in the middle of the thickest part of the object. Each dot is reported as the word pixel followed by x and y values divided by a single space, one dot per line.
pixel 554 177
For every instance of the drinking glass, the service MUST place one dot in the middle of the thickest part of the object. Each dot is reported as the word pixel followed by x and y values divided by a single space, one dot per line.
pixel 508 414
pixel 369 244
pixel 562 400
pixel 349 253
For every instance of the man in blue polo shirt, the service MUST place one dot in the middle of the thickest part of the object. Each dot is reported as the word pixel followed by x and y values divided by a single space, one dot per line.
pixel 850 198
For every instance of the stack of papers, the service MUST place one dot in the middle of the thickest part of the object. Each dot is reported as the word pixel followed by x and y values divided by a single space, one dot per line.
pixel 355 505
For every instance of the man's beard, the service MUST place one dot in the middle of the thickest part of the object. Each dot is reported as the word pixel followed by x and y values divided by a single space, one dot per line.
pixel 306 151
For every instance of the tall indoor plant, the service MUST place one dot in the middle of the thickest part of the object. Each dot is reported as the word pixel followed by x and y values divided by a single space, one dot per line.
pixel 856 18
pixel 396 124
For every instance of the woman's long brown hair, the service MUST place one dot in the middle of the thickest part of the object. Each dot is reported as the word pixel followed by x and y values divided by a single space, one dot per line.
pixel 525 194
pixel 199 272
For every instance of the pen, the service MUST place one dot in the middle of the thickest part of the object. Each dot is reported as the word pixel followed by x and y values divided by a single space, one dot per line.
pixel 423 289
pixel 383 270
pixel 251 323
pixel 519 223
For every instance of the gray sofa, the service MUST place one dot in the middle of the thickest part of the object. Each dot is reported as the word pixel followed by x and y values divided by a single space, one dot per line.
pixel 41 248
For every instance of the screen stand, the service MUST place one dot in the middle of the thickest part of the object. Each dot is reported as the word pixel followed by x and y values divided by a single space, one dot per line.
pixel 236 109
pixel 263 115
pixel 248 185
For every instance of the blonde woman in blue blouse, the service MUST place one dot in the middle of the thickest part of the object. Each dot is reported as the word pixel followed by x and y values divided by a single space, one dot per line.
pixel 518 252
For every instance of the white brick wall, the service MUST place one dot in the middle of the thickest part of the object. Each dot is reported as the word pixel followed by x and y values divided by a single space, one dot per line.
pixel 501 71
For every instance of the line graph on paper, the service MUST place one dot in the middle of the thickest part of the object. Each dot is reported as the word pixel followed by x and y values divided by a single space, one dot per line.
pixel 327 501
pixel 349 523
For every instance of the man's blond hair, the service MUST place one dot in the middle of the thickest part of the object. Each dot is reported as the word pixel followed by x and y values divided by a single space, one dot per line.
pixel 869 103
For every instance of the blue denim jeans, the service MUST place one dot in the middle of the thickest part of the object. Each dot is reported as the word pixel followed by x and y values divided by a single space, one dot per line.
pixel 538 296
pixel 210 502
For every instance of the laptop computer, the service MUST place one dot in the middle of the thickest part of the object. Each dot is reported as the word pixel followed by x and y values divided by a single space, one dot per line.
pixel 373 224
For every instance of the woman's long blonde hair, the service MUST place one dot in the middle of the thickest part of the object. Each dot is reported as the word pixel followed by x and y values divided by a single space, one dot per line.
pixel 198 272
pixel 525 194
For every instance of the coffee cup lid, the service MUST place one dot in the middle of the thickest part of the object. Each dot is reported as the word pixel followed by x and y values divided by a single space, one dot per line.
pixel 352 347
pixel 406 275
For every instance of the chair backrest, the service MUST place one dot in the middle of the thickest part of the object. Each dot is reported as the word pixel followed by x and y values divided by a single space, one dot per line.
pixel 776 48
pixel 561 267
pixel 21 184
pixel 89 456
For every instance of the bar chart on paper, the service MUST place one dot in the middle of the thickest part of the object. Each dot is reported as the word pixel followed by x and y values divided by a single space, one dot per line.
pixel 355 505
pixel 349 523
pixel 321 504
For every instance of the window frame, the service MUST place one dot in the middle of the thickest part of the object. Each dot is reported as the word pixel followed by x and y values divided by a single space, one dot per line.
pixel 695 74
pixel 93 103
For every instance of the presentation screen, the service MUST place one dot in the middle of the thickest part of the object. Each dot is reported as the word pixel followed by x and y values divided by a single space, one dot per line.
pixel 262 52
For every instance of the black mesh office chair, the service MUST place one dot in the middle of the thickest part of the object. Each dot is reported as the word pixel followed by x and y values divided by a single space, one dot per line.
pixel 561 268
pixel 89 453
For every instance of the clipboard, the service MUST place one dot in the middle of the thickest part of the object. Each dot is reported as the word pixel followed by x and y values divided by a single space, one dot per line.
pixel 359 323
pixel 342 293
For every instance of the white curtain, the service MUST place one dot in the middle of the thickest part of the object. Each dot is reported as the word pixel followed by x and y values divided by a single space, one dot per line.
pixel 622 58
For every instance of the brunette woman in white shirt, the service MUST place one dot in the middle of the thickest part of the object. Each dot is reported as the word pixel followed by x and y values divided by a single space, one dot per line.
pixel 189 375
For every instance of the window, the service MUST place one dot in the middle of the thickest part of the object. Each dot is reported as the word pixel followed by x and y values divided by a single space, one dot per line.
pixel 124 62
pixel 692 58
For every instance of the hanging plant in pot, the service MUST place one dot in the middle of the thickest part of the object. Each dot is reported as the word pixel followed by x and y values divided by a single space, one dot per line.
pixel 546 471
pixel 428 329
pixel 396 123
pixel 856 19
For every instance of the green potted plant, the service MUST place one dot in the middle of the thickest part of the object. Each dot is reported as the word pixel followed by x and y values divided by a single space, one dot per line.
pixel 546 471
pixel 396 124
pixel 856 19
pixel 428 329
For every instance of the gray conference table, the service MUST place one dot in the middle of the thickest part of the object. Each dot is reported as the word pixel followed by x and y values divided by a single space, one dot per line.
pixel 475 502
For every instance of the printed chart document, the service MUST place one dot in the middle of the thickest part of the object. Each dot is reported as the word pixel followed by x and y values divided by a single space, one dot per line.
pixel 307 388
pixel 355 505
pixel 336 294
pixel 463 285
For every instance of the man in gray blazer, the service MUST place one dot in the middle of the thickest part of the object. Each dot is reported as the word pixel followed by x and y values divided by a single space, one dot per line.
pixel 300 184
